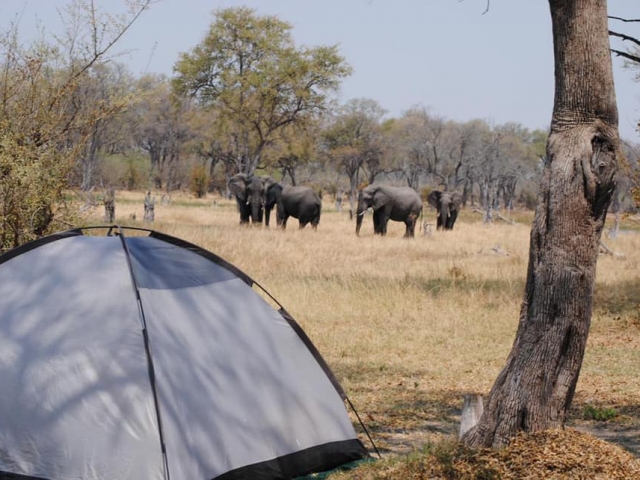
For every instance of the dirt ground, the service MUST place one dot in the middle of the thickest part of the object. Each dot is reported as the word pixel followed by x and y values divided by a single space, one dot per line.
pixel 625 435
pixel 628 437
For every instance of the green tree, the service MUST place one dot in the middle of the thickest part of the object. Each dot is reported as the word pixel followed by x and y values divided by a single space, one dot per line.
pixel 250 71
pixel 295 149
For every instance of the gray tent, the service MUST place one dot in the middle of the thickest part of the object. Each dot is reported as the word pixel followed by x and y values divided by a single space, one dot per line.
pixel 145 357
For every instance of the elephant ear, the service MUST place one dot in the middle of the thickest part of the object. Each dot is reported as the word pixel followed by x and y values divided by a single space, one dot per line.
pixel 434 198
pixel 238 186
pixel 273 193
pixel 380 198
pixel 456 199
pixel 266 182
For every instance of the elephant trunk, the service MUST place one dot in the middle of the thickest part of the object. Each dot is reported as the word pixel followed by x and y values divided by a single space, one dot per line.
pixel 267 214
pixel 256 211
pixel 444 214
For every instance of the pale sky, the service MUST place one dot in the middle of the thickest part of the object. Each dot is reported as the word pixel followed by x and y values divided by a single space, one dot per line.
pixel 442 54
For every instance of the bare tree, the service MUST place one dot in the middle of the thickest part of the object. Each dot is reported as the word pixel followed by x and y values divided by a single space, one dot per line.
pixel 465 154
pixel 106 84
pixel 632 55
pixel 504 157
pixel 163 130
pixel 425 145
pixel 412 147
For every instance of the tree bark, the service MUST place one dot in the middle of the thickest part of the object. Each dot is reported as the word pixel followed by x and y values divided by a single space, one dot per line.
pixel 535 389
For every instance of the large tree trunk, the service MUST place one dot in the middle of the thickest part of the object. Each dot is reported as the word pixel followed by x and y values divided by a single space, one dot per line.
pixel 535 389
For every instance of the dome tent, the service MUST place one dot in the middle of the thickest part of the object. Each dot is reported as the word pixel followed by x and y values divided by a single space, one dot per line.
pixel 146 357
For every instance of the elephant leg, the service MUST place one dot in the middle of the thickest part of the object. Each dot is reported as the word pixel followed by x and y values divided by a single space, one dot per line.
pixel 267 213
pixel 376 221
pixel 280 217
pixel 439 222
pixel 384 219
pixel 452 219
pixel 411 226
pixel 381 224
pixel 385 215
pixel 303 219
pixel 245 212
pixel 245 216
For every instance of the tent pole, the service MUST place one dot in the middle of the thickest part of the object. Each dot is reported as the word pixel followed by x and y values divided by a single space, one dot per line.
pixel 147 345
pixel 364 427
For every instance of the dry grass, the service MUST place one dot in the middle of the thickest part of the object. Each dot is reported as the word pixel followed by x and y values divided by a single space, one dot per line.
pixel 409 326
pixel 550 455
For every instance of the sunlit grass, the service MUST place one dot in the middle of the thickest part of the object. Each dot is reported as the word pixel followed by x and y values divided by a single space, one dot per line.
pixel 409 326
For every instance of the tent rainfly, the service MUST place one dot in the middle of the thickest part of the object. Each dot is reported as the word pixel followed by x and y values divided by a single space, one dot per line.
pixel 145 357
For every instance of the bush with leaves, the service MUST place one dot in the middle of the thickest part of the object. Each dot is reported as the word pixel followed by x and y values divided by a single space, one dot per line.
pixel 45 122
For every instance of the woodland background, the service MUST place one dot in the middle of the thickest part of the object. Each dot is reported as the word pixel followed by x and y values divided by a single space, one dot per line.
pixel 414 325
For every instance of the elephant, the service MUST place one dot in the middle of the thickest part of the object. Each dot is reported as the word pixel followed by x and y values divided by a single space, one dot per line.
pixel 248 190
pixel 401 204
pixel 298 202
pixel 448 205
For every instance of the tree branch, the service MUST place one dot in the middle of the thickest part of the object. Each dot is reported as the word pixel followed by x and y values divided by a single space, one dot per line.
pixel 625 37
pixel 99 51
pixel 626 55
pixel 624 19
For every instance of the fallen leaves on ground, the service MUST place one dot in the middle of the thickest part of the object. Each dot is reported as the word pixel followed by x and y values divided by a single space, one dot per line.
pixel 551 454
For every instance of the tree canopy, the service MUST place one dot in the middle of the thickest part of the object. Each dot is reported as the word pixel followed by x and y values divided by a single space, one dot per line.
pixel 249 69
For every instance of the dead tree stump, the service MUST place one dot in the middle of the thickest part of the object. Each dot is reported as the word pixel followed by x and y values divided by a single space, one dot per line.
pixel 110 206
pixel 149 208
pixel 471 412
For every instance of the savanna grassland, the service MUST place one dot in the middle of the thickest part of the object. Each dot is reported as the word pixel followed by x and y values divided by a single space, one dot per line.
pixel 410 326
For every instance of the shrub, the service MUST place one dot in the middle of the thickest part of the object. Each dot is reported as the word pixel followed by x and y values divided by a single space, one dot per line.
pixel 198 181
pixel 599 414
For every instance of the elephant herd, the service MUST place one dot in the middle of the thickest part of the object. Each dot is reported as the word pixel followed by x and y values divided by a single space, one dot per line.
pixel 257 196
